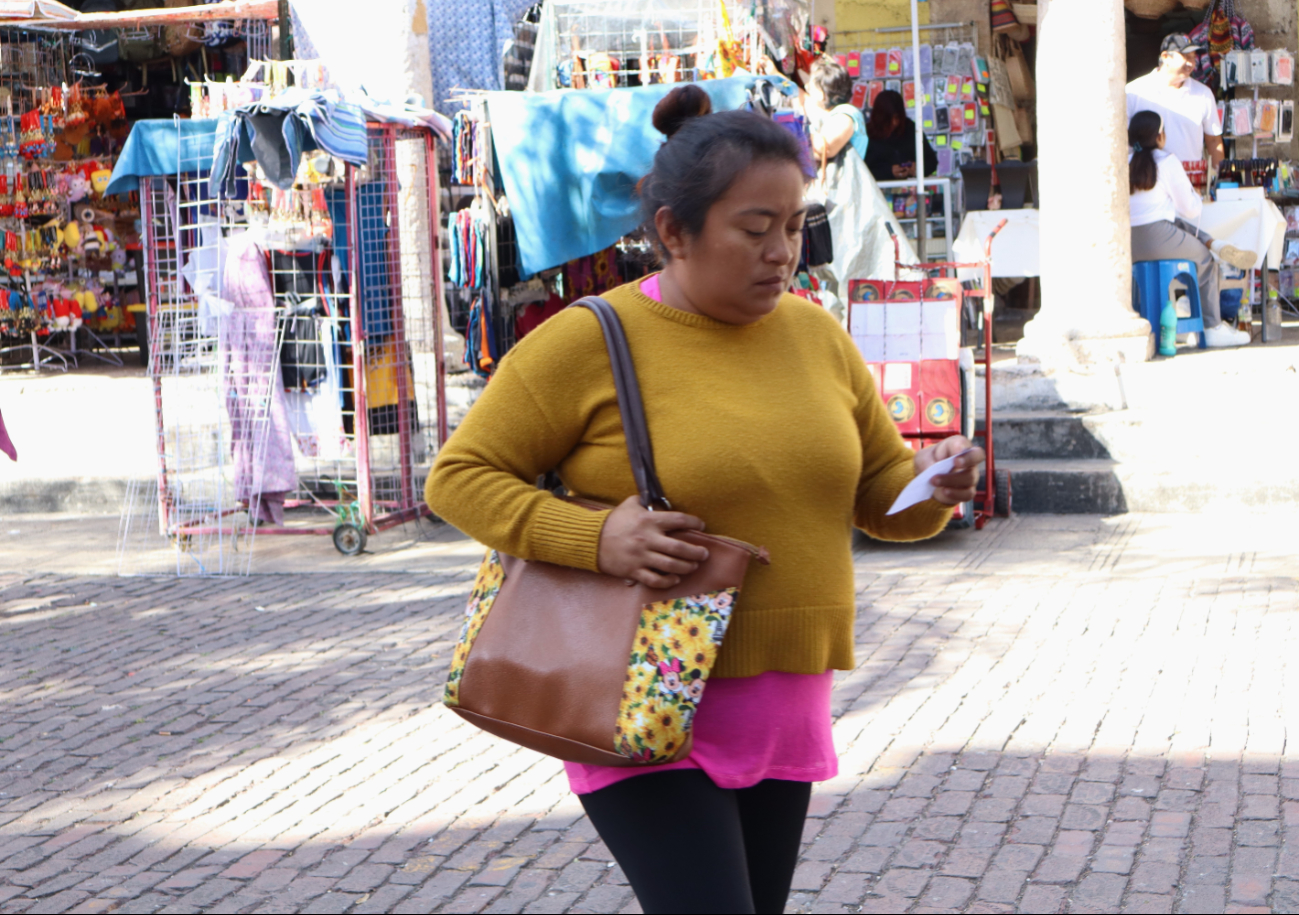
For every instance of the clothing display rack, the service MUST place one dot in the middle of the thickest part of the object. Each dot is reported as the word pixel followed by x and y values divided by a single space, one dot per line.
pixel 297 352
pixel 581 45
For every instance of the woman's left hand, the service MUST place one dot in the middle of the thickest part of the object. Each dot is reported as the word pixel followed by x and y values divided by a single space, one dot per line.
pixel 959 485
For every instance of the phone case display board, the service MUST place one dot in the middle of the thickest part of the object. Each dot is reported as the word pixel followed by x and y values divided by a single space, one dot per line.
pixel 296 354
pixel 955 105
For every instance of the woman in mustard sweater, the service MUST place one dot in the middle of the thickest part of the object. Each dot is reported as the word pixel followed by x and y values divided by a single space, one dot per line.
pixel 765 425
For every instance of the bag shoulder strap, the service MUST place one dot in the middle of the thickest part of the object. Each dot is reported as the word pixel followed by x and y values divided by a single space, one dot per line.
pixel 639 449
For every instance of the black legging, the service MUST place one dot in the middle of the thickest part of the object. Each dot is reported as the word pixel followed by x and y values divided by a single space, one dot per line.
pixel 687 845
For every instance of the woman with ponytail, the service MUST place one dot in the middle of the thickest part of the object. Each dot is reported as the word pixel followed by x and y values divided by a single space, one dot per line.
pixel 766 425
pixel 1164 207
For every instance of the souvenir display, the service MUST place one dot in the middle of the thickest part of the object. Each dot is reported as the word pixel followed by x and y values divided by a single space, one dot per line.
pixel 59 231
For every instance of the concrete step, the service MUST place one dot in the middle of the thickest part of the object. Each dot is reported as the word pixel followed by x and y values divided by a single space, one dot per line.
pixel 1064 487
pixel 1045 435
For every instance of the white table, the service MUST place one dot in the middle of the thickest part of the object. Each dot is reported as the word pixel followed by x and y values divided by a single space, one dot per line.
pixel 1015 250
pixel 1253 225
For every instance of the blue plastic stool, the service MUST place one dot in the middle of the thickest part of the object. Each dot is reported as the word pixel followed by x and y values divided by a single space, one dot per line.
pixel 1150 283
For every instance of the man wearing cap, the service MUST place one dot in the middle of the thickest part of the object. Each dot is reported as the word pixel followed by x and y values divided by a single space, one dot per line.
pixel 1190 113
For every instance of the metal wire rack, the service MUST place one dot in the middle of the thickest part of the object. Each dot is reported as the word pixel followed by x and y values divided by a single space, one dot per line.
pixel 330 399
pixel 30 61
pixel 650 40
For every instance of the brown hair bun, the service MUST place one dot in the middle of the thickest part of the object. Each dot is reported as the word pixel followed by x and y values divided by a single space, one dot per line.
pixel 680 105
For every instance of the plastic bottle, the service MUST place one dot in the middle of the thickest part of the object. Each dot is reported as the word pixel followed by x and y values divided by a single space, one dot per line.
pixel 1168 328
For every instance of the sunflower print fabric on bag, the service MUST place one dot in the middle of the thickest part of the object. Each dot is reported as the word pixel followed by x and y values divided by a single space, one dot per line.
pixel 675 646
pixel 491 575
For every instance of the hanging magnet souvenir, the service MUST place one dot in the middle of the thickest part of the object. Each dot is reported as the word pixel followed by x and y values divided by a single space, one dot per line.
pixel 20 199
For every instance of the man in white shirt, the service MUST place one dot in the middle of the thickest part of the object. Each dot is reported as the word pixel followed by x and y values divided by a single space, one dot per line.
pixel 1188 108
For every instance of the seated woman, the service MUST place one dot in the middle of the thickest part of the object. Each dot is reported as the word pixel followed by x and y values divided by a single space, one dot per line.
pixel 891 154
pixel 1161 193
pixel 835 123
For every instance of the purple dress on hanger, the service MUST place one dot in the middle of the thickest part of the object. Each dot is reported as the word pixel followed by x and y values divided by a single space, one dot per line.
pixel 254 394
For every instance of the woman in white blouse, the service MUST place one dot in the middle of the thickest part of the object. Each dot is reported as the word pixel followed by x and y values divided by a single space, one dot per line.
pixel 1161 195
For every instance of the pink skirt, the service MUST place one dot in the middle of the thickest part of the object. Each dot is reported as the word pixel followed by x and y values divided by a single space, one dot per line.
pixel 774 725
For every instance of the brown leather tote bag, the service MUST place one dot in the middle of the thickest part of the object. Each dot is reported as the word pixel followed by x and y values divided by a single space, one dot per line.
pixel 583 666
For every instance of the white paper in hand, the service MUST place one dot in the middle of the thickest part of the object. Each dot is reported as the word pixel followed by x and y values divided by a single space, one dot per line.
pixel 920 489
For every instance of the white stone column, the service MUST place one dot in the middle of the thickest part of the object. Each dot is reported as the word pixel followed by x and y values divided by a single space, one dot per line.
pixel 1086 326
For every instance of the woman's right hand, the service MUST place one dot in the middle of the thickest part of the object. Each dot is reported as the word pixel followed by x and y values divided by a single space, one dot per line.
pixel 636 544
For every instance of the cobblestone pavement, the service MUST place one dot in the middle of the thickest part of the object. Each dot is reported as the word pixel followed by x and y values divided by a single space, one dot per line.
pixel 1054 714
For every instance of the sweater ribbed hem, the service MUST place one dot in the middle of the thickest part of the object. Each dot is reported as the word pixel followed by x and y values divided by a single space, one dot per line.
pixel 796 640
pixel 567 535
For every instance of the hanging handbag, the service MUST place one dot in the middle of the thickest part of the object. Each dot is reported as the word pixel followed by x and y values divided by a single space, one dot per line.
pixel 818 241
pixel 588 667
pixel 1221 30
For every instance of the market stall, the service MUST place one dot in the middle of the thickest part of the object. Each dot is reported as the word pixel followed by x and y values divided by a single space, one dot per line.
pixel 541 199
pixel 71 86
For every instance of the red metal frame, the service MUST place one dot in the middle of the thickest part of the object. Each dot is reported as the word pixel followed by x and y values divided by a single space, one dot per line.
pixel 985 499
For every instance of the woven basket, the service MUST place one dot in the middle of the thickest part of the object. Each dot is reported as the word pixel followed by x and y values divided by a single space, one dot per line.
pixel 1151 9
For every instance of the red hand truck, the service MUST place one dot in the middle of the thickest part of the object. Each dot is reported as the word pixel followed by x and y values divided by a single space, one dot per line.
pixel 992 498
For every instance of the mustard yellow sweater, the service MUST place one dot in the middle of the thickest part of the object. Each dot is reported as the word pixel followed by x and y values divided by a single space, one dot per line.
pixel 771 432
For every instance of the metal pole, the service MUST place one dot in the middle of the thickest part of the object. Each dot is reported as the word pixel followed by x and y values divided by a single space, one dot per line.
pixel 921 215
pixel 286 31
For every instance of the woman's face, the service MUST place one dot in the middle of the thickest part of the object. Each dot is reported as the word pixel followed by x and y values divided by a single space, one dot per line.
pixel 739 266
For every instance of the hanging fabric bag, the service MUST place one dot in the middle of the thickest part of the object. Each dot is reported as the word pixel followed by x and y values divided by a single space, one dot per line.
pixel 1220 31
pixel 568 662
pixel 302 354
pixel 818 242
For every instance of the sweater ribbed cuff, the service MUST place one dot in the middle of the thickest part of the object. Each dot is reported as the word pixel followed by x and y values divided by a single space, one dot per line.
pixel 567 535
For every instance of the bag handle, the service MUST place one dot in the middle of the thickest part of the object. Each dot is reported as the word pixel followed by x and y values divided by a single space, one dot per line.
pixel 639 449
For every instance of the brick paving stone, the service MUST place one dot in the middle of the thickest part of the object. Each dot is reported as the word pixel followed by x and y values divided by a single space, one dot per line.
pixel 1002 885
pixel 1142 903
pixel 1099 892
pixel 1033 830
pixel 1040 900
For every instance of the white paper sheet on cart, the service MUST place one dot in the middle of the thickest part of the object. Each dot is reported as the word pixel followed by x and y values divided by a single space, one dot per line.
pixel 920 489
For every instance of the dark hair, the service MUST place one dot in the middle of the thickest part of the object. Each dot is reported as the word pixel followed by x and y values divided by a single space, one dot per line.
pixel 704 155
pixel 1143 137
pixel 833 81
pixel 888 116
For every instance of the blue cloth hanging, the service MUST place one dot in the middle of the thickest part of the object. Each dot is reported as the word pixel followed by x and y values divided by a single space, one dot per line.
pixel 570 161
